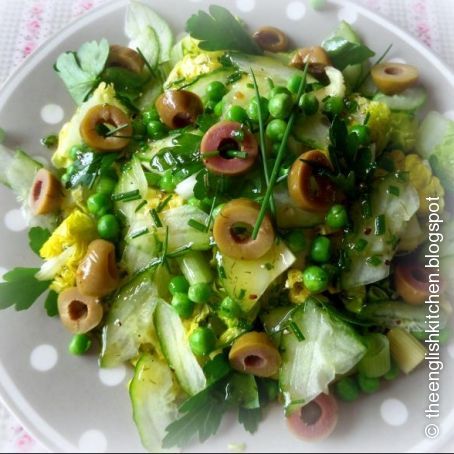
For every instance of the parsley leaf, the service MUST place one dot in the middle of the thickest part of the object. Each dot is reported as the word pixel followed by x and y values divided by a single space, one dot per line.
pixel 88 166
pixel 344 53
pixel 80 70
pixel 221 31
pixel 51 304
pixel 250 418
pixel 37 236
pixel 21 288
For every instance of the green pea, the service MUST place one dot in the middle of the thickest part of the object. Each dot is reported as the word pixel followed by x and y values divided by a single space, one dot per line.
pixel 216 91
pixel 150 115
pixel 321 249
pixel 219 109
pixel 279 90
pixel 309 104
pixel 183 305
pixel 337 217
pixel 294 83
pixel 334 105
pixel 393 372
pixel 202 341
pixel 347 389
pixel 199 293
pixel 156 130
pixel 108 227
pixel 280 106
pixel 237 113
pixel 275 130
pixel 80 344
pixel 253 109
pixel 178 284
pixel 315 279
pixel 296 241
pixel 230 308
pixel 139 127
pixel 99 204
pixel 368 385
pixel 167 182
pixel 362 133
pixel 106 185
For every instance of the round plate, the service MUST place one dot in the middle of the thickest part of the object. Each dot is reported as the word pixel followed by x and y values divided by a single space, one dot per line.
pixel 65 402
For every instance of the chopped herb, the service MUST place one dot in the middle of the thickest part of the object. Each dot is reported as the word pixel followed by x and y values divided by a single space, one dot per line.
pixel 366 208
pixel 237 154
pixel 140 206
pixel 221 31
pixel 374 260
pixel 222 273
pixel 147 63
pixel 394 190
pixel 155 216
pixel 296 330
pixel 51 304
pixel 361 244
pixel 138 233
pixel 235 77
pixel 122 196
pixel 37 236
pixel 21 288
pixel 380 225
pixel 153 179
pixel 180 251
pixel 164 203
pixel 269 266
pixel 403 176
pixel 250 418
pixel 210 217
pixel 242 294
pixel 50 141
pixel 197 225
pixel 206 121
pixel 382 57
pixel 238 135
pixel 112 132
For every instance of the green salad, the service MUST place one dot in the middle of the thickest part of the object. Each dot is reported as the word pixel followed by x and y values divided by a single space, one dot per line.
pixel 240 221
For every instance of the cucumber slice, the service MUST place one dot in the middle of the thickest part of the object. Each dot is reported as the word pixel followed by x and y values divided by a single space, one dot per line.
pixel 139 18
pixel 148 43
pixel 152 394
pixel 410 100
pixel 175 347
pixel 195 268
pixel 129 322
pixel 330 347
pixel 312 131
pixel 432 132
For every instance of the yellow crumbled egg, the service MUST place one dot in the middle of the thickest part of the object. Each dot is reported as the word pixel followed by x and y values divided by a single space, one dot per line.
pixel 69 135
pixel 75 232
pixel 297 292
pixel 421 177
pixel 155 197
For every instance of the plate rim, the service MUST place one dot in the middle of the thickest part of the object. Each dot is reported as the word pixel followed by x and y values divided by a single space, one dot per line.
pixel 28 417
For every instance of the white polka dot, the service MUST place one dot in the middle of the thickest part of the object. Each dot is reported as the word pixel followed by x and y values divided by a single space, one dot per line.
pixel 44 358
pixel 245 5
pixel 3 271
pixel 15 221
pixel 398 60
pixel 52 114
pixel 348 14
pixel 93 441
pixel 42 160
pixel 394 412
pixel 296 10
pixel 450 114
pixel 112 377
pixel 451 350
pixel 195 1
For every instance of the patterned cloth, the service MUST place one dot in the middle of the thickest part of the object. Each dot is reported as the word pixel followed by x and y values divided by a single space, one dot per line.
pixel 25 24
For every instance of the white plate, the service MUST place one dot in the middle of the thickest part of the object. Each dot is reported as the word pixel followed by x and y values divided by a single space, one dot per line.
pixel 64 401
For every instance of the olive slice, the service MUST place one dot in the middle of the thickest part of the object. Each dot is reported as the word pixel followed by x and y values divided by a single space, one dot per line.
pixel 124 57
pixel 221 138
pixel 308 190
pixel 271 39
pixel 315 56
pixel 232 231
pixel 106 114
pixel 393 78
pixel 412 282
pixel 179 108
pixel 45 194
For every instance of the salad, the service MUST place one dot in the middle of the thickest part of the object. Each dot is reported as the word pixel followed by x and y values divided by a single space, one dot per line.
pixel 241 221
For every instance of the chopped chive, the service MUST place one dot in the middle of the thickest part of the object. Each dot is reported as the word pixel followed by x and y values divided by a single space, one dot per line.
pixel 237 154
pixel 210 217
pixel 154 215
pixel 366 209
pixel 138 233
pixel 361 244
pixel 165 247
pixel 164 203
pixel 238 135
pixel 140 206
pixel 270 82
pixel 180 251
pixel 111 132
pixel 222 273
pixel 374 260
pixel 147 63
pixel 296 331
pixel 197 225
pixel 152 179
pixel 242 294
pixel 403 176
pixel 125 195
pixel 263 150
pixel 366 119
pixel 366 76
pixel 380 225
pixel 279 158
pixel 211 154
pixel 250 85
pixel 394 190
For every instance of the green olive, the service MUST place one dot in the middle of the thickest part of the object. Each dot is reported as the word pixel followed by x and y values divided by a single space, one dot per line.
pixel 97 274
pixel 105 114
pixel 79 313
pixel 124 57
pixel 393 78
pixel 46 193
pixel 179 108
pixel 271 39
pixel 254 353
pixel 233 228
